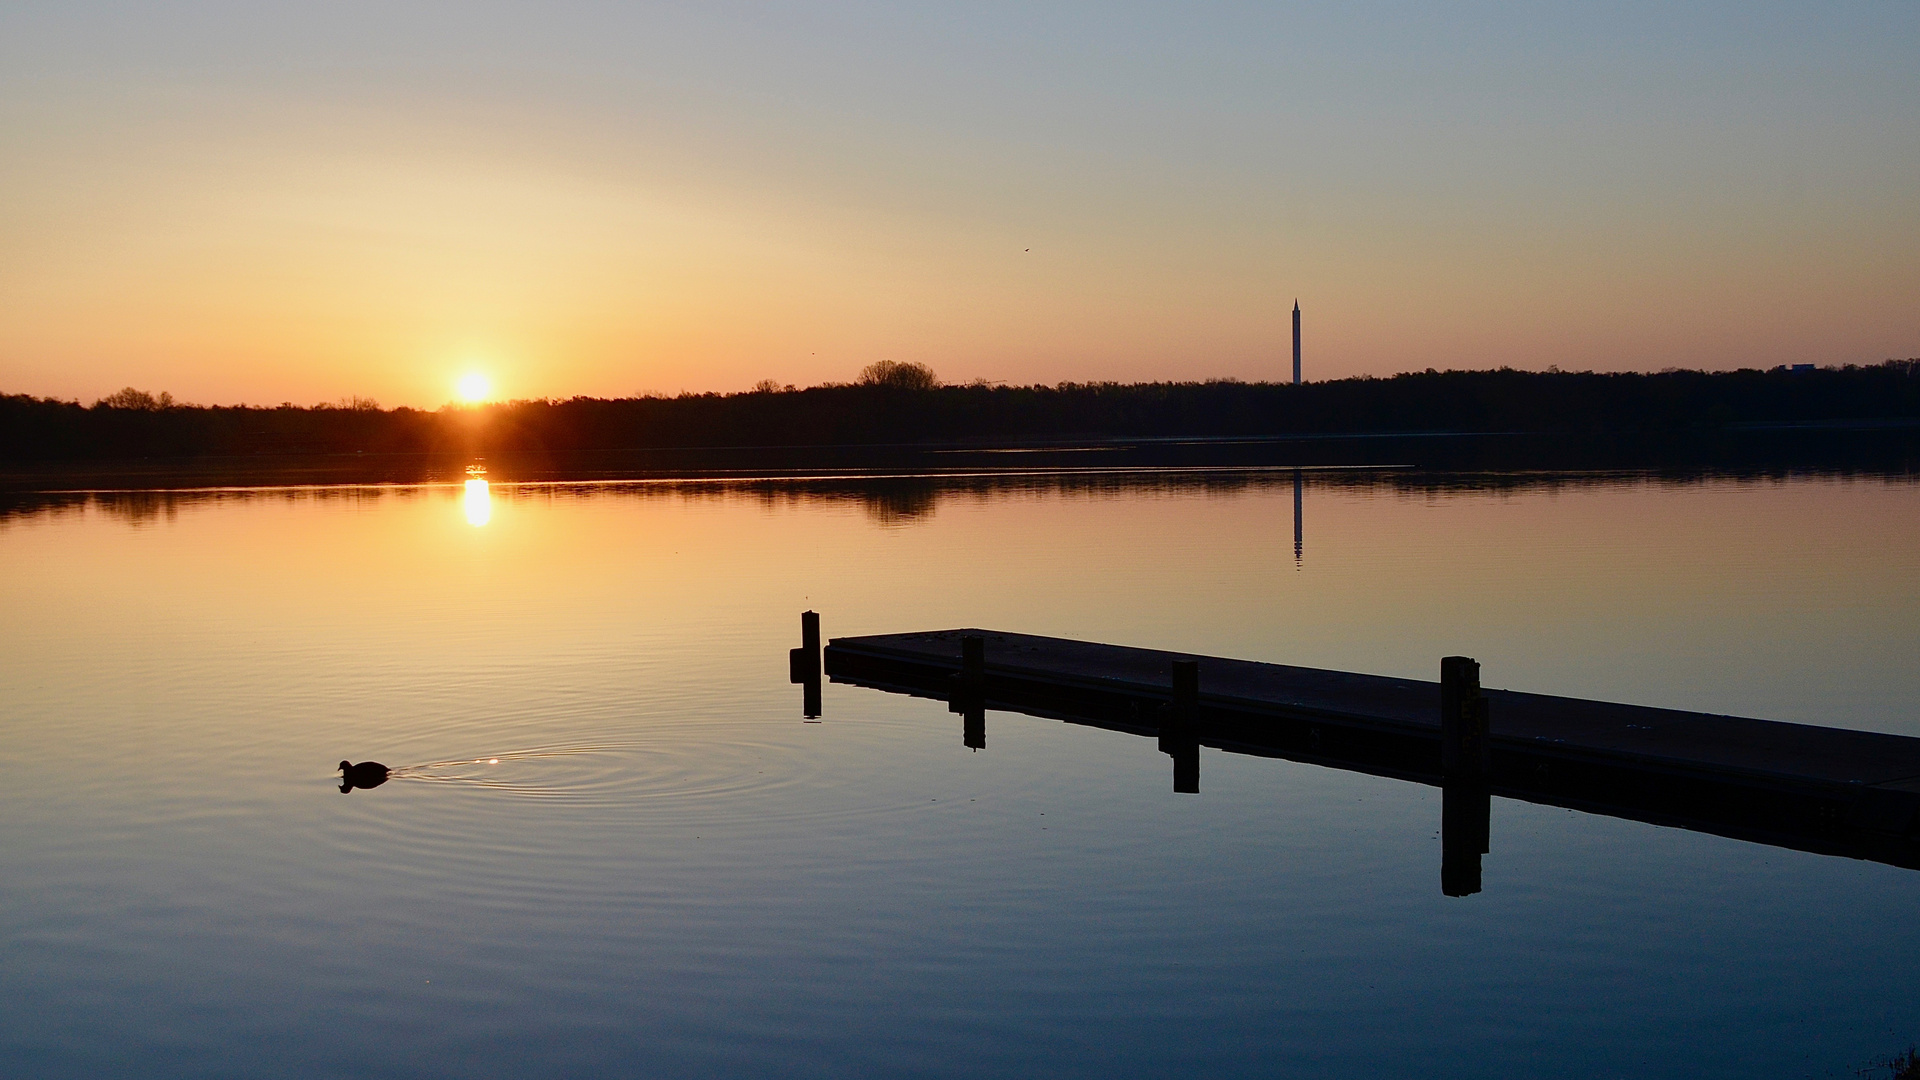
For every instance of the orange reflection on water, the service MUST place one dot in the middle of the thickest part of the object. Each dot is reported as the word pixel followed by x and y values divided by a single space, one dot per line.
pixel 479 503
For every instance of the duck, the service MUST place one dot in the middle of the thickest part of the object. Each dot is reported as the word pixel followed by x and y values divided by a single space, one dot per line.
pixel 367 774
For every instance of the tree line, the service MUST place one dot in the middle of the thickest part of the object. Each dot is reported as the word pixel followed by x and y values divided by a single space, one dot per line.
pixel 905 403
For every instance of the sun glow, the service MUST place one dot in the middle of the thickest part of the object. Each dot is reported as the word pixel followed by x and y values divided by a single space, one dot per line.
pixel 479 503
pixel 474 388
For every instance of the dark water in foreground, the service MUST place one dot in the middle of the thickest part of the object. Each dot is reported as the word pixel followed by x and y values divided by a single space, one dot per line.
pixel 618 850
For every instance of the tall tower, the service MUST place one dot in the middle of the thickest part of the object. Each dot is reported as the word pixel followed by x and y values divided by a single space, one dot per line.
pixel 1296 342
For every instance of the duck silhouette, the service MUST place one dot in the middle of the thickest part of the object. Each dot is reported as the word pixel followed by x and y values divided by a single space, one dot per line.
pixel 367 774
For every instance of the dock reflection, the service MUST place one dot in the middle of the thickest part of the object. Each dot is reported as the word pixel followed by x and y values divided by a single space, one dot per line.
pixel 1467 785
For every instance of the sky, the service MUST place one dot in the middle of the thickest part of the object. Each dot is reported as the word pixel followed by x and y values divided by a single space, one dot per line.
pixel 264 202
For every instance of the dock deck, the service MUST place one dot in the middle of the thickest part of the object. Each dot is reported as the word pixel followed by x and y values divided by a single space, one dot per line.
pixel 1829 790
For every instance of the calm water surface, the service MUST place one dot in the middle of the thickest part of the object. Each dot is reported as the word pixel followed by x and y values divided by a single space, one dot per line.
pixel 617 849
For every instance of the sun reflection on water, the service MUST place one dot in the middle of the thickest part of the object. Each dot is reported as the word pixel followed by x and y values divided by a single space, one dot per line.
pixel 479 503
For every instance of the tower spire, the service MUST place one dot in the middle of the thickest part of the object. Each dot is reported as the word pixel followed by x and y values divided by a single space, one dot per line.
pixel 1296 341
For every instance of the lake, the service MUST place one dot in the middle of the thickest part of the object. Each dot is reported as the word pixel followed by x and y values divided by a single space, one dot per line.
pixel 615 847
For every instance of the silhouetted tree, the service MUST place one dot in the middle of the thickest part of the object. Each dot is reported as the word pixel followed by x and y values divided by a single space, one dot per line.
pixel 139 400
pixel 899 376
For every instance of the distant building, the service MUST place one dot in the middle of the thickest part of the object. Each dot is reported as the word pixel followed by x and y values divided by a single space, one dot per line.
pixel 1296 341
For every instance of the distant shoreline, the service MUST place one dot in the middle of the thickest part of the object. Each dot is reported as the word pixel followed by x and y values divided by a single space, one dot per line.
pixel 1872 448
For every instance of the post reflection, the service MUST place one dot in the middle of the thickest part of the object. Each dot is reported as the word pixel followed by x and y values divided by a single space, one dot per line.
pixel 1184 749
pixel 973 717
pixel 968 696
pixel 1179 727
pixel 973 727
pixel 1466 826
pixel 479 503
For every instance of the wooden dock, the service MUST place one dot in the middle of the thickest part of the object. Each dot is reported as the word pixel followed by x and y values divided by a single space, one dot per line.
pixel 1825 790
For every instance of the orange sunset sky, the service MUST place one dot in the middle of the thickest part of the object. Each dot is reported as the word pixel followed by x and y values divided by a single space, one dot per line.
pixel 242 203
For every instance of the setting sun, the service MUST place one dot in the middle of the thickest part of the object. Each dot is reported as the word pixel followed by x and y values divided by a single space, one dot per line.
pixel 474 387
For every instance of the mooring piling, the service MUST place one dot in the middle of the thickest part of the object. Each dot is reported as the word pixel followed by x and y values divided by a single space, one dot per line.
pixel 1466 764
pixel 1464 753
pixel 810 633
pixel 1186 692
pixel 803 664
pixel 973 661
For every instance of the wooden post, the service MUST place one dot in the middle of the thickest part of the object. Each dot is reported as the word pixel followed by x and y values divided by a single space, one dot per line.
pixel 803 664
pixel 973 661
pixel 1465 765
pixel 1186 691
pixel 1464 754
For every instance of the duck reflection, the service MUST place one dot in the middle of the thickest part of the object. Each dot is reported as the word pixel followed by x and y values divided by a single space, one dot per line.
pixel 367 774
pixel 479 503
